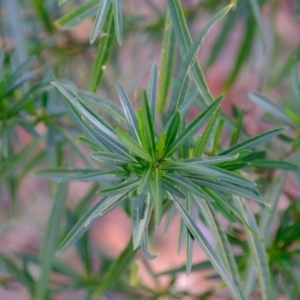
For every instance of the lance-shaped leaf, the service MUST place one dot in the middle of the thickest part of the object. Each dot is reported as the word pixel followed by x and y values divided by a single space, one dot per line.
pixel 210 160
pixel 145 181
pixel 295 83
pixel 187 185
pixel 133 145
pixel 180 83
pixel 156 196
pixel 228 188
pixel 211 254
pixel 203 140
pixel 254 141
pixel 122 188
pixel 258 252
pixel 76 16
pixel 101 208
pixel 111 158
pixel 272 108
pixel 172 130
pixel 117 4
pixel 223 244
pixel 179 166
pixel 167 63
pixel 95 119
pixel 143 223
pixel 192 128
pixel 129 114
pixel 148 126
pixel 75 174
pixel 145 246
pixel 152 90
pixel 103 8
pixel 50 243
pixel 104 50
pixel 274 164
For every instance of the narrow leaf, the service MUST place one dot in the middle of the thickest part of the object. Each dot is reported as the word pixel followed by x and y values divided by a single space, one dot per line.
pixel 211 254
pixel 117 4
pixel 152 90
pixel 254 141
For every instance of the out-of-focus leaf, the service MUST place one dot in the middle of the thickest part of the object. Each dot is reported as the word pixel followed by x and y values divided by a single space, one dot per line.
pixel 259 21
pixel 275 164
pixel 258 253
pixel 295 82
pixel 50 242
pixel 116 270
pixel 76 16
pixel 75 174
pixel 272 108
pixel 96 212
pixel 244 52
pixel 104 50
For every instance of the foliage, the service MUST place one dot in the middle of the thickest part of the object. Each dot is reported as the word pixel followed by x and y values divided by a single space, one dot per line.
pixel 148 155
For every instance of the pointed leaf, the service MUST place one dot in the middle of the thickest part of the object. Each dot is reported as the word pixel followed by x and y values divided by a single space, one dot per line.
pixel 152 90
pixel 117 4
pixel 211 254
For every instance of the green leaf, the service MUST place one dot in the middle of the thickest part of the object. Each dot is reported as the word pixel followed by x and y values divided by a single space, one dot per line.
pixel 259 21
pixel 144 181
pixel 110 107
pixel 209 251
pixel 50 242
pixel 60 2
pixel 238 126
pixel 102 12
pixel 217 136
pixel 203 140
pixel 172 130
pixel 295 82
pixel 123 188
pixel 167 63
pixel 74 174
pixel 184 42
pixel 9 166
pixel 156 196
pixel 102 207
pixel 104 50
pixel 111 158
pixel 274 164
pixel 271 108
pixel 258 252
pixel 76 16
pixel 267 216
pixel 254 141
pixel 179 166
pixel 10 267
pixel 180 83
pixel 133 145
pixel 243 53
pixel 143 223
pixel 212 160
pixel 145 247
pixel 223 245
pixel 229 188
pixel 152 90
pixel 192 128
pixel 117 5
pixel 148 126
pixel 129 114
pixel 116 270
pixel 187 185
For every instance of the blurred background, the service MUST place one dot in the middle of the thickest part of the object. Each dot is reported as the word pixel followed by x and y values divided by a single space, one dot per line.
pixel 240 54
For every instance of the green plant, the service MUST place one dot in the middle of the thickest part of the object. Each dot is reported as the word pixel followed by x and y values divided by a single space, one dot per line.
pixel 155 161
